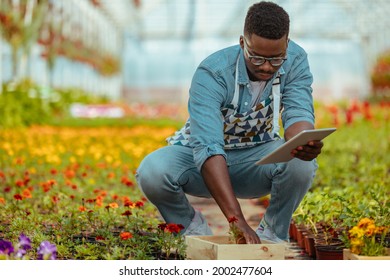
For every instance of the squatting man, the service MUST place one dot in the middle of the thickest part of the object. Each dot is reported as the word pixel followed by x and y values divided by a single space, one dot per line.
pixel 236 97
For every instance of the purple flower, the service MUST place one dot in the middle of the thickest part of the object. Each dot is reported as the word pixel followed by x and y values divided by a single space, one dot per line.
pixel 47 251
pixel 20 253
pixel 24 242
pixel 6 247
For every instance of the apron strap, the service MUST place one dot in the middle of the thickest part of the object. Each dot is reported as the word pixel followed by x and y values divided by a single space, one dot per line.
pixel 276 95
pixel 237 87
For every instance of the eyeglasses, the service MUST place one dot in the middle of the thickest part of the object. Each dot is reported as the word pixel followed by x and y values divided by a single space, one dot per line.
pixel 260 60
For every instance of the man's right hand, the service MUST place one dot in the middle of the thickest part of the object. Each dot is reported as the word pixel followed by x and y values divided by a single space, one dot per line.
pixel 249 234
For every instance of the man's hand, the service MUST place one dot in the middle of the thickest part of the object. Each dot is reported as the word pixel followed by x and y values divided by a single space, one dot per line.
pixel 308 152
pixel 248 233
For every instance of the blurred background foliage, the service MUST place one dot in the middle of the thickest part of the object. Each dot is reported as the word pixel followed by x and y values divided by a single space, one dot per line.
pixel 141 54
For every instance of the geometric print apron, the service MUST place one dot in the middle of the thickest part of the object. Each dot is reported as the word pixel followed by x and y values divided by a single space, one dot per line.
pixel 256 126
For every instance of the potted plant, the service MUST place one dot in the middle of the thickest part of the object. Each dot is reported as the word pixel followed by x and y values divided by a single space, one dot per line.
pixel 367 239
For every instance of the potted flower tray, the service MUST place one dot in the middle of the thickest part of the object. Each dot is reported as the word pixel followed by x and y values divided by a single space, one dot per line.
pixel 347 255
pixel 218 247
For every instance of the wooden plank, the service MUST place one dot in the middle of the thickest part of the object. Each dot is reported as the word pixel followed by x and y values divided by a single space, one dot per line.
pixel 219 248
pixel 347 255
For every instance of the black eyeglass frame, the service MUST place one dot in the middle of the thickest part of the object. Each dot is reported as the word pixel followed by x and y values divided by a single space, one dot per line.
pixel 263 59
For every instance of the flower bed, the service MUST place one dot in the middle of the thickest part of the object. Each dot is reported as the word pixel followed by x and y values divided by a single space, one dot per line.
pixel 75 187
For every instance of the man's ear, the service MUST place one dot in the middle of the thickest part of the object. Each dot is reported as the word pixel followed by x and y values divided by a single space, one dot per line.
pixel 241 42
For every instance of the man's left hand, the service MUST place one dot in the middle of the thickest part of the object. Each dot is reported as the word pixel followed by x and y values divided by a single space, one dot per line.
pixel 309 151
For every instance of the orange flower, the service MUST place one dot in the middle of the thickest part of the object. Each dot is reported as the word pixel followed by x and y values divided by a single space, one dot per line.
pixel 2 200
pixel 113 205
pixel 69 174
pixel 111 175
pixel 125 235
pixel 365 222
pixel 26 193
pixel 99 201
pixel 46 187
pixel 82 209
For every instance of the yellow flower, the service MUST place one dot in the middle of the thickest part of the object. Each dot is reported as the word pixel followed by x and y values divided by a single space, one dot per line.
pixel 365 222
pixel 357 242
pixel 356 250
pixel 370 230
pixel 356 232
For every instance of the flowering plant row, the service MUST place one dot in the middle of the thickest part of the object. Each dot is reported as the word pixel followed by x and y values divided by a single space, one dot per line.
pixel 351 186
pixel 75 188
pixel 63 186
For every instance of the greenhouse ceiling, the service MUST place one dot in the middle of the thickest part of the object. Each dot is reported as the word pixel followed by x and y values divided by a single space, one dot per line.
pixel 202 18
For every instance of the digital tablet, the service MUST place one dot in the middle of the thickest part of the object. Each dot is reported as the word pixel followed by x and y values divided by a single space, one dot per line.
pixel 283 153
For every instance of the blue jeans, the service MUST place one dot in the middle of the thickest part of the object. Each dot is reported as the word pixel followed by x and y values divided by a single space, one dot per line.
pixel 167 174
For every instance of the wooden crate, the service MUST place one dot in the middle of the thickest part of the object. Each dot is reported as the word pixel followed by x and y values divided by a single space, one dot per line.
pixel 347 255
pixel 219 248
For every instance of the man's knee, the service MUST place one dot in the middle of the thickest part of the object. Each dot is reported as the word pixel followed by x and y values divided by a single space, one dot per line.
pixel 149 177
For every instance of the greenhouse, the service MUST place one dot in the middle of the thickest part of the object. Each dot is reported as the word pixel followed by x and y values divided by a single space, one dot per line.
pixel 92 91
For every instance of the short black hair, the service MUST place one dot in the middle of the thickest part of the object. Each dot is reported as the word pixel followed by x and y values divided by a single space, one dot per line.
pixel 267 20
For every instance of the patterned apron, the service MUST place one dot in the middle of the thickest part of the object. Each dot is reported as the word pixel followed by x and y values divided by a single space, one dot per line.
pixel 254 127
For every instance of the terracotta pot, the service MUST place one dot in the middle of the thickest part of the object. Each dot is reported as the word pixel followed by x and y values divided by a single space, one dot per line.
pixel 309 245
pixel 300 237
pixel 329 252
pixel 293 231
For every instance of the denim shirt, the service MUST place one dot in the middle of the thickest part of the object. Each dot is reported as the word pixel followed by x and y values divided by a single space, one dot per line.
pixel 212 88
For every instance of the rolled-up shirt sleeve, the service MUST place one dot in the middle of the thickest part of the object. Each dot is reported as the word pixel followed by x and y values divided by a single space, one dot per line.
pixel 207 94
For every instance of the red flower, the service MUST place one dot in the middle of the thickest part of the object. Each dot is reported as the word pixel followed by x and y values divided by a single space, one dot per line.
pixel 55 199
pixel 19 183
pixel 18 197
pixel 100 238
pixel 162 226
pixel 129 204
pixel 90 200
pixel 127 213
pixel 232 220
pixel 171 227
pixel 174 228
pixel 139 204
pixel 125 235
